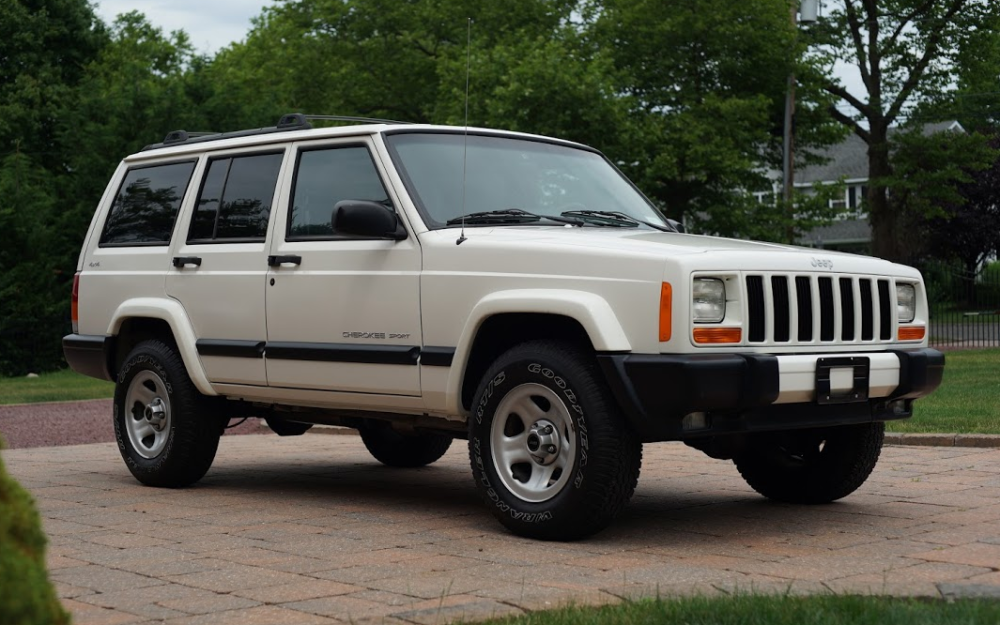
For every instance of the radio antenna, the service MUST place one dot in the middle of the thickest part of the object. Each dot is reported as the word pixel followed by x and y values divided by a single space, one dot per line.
pixel 465 140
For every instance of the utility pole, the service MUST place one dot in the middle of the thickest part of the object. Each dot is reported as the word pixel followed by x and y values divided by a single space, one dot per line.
pixel 806 13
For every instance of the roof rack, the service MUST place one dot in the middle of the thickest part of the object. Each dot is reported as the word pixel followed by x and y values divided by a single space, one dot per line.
pixel 287 123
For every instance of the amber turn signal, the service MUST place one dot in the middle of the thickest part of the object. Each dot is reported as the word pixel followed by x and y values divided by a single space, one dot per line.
pixel 911 333
pixel 718 335
pixel 666 303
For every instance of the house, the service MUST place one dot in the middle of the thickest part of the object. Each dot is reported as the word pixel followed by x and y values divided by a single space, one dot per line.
pixel 845 162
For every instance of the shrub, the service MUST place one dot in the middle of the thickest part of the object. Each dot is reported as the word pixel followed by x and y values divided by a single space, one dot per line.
pixel 26 595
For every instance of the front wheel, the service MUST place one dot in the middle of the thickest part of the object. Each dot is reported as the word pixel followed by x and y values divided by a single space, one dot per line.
pixel 811 466
pixel 551 453
pixel 163 425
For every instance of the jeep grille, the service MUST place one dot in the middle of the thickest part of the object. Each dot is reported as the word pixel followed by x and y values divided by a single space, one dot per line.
pixel 818 309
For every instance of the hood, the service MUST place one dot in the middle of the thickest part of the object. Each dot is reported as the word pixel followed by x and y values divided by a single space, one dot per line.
pixel 642 242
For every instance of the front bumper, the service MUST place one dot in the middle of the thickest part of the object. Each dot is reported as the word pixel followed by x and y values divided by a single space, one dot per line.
pixel 675 397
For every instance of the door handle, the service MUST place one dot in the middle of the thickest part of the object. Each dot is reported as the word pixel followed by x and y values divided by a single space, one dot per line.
pixel 291 259
pixel 180 261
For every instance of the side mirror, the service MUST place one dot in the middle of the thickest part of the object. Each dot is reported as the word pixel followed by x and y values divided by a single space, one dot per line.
pixel 364 218
pixel 678 226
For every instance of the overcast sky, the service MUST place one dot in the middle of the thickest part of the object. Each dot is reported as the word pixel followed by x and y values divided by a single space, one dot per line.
pixel 211 24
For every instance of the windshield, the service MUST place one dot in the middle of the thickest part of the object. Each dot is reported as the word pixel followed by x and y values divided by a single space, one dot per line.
pixel 503 173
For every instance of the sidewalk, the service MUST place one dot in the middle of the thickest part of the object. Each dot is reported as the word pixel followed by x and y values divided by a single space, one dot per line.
pixel 312 530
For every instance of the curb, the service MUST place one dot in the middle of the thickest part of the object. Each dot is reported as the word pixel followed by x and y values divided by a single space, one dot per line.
pixel 944 440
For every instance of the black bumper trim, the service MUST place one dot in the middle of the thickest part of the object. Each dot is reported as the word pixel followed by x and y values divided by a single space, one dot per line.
pixel 437 356
pixel 737 393
pixel 338 352
pixel 88 354
pixel 230 348
pixel 920 372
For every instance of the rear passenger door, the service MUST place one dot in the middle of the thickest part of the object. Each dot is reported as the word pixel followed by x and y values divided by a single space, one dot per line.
pixel 219 268
pixel 343 312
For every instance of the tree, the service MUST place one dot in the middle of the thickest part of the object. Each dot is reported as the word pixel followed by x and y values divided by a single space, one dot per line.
pixel 907 52
pixel 44 46
pixel 707 82
pixel 968 228
pixel 373 57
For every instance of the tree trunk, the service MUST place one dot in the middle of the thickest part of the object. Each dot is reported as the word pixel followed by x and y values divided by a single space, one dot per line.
pixel 885 223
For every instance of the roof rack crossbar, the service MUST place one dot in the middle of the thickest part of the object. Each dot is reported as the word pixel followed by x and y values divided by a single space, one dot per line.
pixel 287 123
pixel 350 118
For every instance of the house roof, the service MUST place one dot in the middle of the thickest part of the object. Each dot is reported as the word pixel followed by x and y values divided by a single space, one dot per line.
pixel 849 158
pixel 846 231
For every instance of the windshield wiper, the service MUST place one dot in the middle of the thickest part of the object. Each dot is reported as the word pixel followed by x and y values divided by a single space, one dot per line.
pixel 507 216
pixel 615 218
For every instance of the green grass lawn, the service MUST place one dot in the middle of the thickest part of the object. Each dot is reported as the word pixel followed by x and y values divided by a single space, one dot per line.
pixel 64 385
pixel 772 610
pixel 968 400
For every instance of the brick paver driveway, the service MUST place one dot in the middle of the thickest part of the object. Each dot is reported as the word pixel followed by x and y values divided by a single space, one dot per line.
pixel 312 530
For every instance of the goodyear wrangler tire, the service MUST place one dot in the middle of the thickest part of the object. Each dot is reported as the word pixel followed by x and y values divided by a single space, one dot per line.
pixel 163 425
pixel 552 456
pixel 811 466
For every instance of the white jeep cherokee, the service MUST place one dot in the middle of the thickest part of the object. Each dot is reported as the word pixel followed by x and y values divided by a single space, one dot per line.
pixel 424 283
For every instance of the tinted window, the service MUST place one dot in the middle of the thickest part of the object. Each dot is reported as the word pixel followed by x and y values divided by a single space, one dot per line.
pixel 325 177
pixel 235 199
pixel 146 206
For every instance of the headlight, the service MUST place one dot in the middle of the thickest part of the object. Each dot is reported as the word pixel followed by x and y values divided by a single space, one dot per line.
pixel 906 303
pixel 708 298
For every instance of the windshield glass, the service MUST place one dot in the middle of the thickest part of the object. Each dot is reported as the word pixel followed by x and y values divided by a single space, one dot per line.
pixel 504 173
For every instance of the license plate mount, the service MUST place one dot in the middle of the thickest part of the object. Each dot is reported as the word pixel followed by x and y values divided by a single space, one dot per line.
pixel 831 374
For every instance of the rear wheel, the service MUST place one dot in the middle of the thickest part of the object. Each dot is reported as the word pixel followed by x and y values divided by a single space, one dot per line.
pixel 164 427
pixel 552 456
pixel 811 466
pixel 405 450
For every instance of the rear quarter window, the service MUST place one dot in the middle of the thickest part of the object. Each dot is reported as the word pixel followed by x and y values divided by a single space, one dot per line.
pixel 146 206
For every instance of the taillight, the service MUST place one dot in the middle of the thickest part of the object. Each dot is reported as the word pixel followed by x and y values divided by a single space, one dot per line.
pixel 75 307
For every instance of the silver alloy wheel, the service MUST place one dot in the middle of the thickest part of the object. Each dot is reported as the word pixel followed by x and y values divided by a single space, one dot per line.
pixel 533 442
pixel 147 418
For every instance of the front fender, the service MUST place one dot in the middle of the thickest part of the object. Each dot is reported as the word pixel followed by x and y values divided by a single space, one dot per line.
pixel 173 313
pixel 591 311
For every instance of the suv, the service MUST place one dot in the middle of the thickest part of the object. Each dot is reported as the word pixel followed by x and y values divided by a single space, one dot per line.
pixel 424 283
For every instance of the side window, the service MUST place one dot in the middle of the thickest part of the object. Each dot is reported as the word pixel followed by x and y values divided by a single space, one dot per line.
pixel 235 199
pixel 324 177
pixel 145 209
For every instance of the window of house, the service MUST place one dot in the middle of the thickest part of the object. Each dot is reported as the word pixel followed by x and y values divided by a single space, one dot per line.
pixel 235 199
pixel 324 177
pixel 839 202
pixel 145 209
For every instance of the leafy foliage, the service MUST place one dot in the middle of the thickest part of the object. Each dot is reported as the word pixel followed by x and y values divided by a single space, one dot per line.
pixel 26 595
pixel 967 227
pixel 907 53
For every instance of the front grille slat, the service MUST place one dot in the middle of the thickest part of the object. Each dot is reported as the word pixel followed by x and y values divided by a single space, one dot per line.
pixel 787 309
pixel 782 309
pixel 846 309
pixel 885 318
pixel 757 308
pixel 867 311
pixel 803 298
pixel 826 308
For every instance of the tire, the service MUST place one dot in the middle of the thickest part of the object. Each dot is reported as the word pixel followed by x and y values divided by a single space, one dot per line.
pixel 406 451
pixel 811 466
pixel 163 425
pixel 552 456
